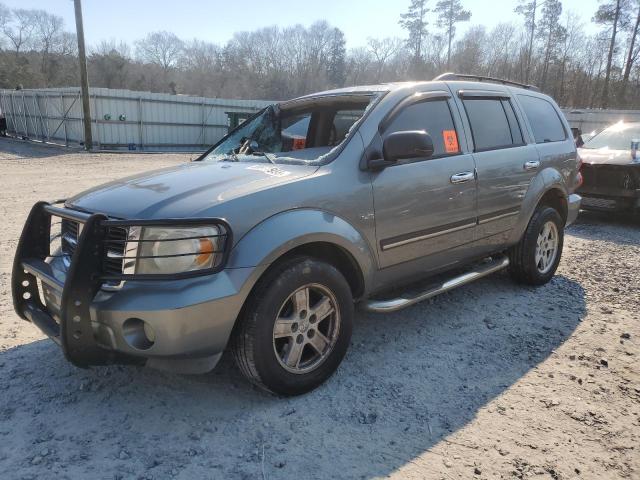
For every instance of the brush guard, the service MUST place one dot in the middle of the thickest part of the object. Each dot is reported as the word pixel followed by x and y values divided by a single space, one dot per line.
pixel 71 325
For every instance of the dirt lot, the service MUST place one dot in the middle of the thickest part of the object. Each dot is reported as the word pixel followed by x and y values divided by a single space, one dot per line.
pixel 491 381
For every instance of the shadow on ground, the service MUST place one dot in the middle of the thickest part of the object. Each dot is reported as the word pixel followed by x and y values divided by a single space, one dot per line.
pixel 409 380
pixel 612 226
pixel 29 149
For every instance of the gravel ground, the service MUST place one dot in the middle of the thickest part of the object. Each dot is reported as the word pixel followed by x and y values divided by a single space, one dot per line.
pixel 490 381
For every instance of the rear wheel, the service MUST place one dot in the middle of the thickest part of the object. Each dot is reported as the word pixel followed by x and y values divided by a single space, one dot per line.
pixel 534 260
pixel 295 328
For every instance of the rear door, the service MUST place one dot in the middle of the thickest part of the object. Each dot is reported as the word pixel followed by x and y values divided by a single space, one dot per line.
pixel 505 164
pixel 425 205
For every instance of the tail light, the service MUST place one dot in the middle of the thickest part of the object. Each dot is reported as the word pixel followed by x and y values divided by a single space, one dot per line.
pixel 579 178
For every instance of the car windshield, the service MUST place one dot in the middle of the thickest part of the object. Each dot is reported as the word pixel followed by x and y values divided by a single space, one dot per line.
pixel 304 131
pixel 615 137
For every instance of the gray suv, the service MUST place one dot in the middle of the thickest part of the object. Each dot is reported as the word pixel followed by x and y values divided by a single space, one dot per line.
pixel 380 196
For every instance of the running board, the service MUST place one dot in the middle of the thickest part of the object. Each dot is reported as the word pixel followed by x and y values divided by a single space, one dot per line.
pixel 406 300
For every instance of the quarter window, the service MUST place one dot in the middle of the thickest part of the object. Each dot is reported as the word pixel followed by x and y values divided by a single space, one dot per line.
pixel 493 123
pixel 543 118
pixel 435 118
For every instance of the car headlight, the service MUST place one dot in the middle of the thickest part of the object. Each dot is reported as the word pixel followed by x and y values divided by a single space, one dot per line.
pixel 167 250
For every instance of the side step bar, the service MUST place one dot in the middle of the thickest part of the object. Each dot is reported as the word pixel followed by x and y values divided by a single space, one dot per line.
pixel 406 300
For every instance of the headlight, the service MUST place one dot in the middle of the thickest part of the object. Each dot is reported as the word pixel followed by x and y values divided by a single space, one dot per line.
pixel 167 250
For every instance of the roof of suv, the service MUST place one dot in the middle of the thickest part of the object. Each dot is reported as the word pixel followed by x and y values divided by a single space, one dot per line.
pixel 495 84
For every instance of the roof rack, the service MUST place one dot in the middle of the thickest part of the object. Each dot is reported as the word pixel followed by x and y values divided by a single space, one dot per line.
pixel 481 78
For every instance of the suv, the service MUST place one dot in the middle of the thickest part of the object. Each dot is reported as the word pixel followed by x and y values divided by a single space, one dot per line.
pixel 267 241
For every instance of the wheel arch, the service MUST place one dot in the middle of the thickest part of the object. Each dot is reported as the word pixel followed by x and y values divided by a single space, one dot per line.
pixel 555 198
pixel 313 233
pixel 548 188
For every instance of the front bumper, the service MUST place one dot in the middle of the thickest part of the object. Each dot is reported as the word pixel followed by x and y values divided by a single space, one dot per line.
pixel 143 321
pixel 573 208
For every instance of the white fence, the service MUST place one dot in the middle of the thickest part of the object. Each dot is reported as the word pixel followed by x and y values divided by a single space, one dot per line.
pixel 122 119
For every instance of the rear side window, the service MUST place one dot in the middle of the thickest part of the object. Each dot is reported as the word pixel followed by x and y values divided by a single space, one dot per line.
pixel 493 123
pixel 435 118
pixel 543 118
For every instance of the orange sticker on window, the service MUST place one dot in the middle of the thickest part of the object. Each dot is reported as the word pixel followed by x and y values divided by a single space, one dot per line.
pixel 299 143
pixel 450 141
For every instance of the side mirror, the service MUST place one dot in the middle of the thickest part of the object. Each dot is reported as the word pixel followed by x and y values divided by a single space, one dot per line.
pixel 407 144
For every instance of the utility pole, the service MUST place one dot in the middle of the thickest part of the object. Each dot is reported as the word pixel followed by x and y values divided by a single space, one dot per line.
pixel 84 79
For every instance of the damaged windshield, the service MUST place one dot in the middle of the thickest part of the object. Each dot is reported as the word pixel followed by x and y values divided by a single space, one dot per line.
pixel 616 137
pixel 302 131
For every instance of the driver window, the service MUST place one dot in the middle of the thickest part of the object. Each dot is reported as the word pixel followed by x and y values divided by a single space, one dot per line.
pixel 435 118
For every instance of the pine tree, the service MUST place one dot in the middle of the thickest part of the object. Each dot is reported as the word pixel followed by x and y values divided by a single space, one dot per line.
pixel 528 10
pixel 337 66
pixel 449 13
pixel 415 22
pixel 552 33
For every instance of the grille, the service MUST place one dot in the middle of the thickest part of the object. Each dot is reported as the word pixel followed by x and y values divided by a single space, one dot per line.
pixel 603 203
pixel 114 246
pixel 69 236
pixel 608 176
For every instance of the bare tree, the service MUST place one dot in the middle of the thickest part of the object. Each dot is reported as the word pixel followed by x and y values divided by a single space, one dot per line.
pixel 5 18
pixel 449 13
pixel 383 51
pixel 500 53
pixel 19 29
pixel 109 64
pixel 161 48
pixel 632 52
pixel 47 39
pixel 612 14
pixel 572 41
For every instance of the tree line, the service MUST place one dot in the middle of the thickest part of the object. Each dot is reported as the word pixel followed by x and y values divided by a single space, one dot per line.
pixel 544 45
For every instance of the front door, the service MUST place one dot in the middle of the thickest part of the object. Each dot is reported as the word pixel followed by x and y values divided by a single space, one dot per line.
pixel 425 206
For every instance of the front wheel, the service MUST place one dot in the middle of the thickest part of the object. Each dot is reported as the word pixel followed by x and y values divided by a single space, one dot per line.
pixel 535 259
pixel 295 328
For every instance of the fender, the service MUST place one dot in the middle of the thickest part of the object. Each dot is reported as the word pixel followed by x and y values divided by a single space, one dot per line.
pixel 547 179
pixel 281 233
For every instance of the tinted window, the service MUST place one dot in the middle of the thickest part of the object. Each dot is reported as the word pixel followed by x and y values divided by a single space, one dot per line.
pixel 434 117
pixel 544 120
pixel 489 124
pixel 516 133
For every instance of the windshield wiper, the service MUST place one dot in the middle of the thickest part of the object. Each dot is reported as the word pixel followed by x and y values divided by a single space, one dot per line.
pixel 266 155
pixel 232 157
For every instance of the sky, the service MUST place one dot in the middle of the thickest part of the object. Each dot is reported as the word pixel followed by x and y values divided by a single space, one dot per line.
pixel 217 21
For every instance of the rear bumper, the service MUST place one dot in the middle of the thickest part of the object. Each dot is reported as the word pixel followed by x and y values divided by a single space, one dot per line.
pixel 573 208
pixel 182 324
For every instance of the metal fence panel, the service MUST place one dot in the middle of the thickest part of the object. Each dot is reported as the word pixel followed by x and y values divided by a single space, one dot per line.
pixel 122 119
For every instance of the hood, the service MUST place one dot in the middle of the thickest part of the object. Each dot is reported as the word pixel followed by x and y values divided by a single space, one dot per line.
pixel 186 190
pixel 607 156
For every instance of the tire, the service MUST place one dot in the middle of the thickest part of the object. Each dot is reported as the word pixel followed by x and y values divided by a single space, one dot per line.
pixel 276 308
pixel 524 266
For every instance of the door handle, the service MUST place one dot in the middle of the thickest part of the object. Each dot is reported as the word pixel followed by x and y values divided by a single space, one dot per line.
pixel 462 177
pixel 532 165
